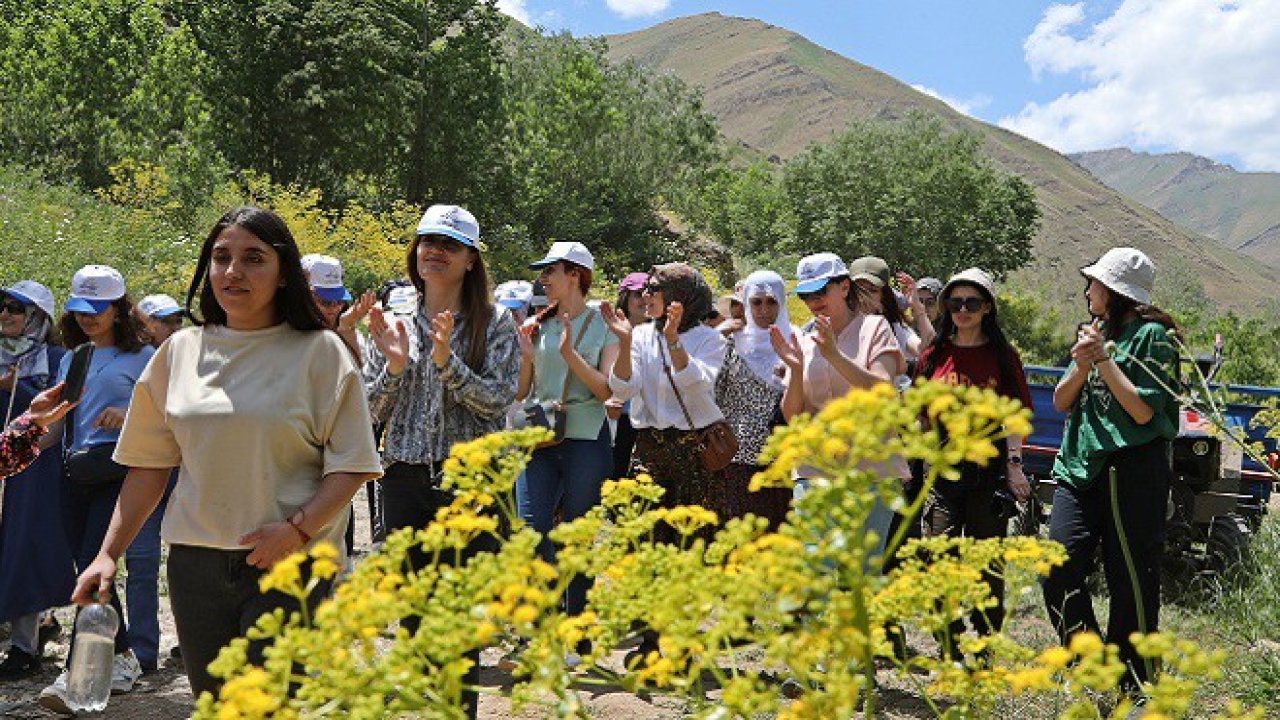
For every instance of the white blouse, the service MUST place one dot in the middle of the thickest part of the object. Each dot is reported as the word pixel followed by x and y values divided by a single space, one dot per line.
pixel 653 401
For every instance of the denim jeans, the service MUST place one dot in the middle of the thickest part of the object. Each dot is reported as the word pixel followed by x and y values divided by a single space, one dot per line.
pixel 565 477
pixel 142 586
pixel 215 599
pixel 89 516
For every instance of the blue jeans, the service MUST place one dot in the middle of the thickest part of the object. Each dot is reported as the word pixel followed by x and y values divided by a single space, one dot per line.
pixel 565 477
pixel 142 586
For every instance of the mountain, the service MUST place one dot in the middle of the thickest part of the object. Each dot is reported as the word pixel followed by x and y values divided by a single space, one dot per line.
pixel 1240 210
pixel 777 92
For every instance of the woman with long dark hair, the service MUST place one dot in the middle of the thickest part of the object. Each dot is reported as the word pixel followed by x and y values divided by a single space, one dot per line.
pixel 1113 469
pixel 447 377
pixel 263 410
pixel 971 350
pixel 870 275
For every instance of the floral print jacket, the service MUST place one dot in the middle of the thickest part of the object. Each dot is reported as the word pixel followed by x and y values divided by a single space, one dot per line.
pixel 19 446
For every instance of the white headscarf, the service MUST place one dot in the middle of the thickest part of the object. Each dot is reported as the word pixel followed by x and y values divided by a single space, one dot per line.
pixel 752 341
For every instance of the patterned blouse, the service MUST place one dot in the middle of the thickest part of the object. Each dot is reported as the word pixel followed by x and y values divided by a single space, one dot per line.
pixel 427 410
pixel 19 446
pixel 748 405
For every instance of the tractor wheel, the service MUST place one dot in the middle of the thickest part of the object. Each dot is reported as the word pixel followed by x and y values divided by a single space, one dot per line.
pixel 1227 548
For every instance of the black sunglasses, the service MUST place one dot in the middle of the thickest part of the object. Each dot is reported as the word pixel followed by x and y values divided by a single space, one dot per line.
pixel 971 304
pixel 652 288
pixel 14 307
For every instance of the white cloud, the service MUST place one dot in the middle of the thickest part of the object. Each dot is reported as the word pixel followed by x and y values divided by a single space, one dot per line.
pixel 637 8
pixel 1189 75
pixel 518 9
pixel 968 106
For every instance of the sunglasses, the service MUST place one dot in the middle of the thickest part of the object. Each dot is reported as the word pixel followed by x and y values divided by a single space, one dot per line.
pixel 969 304
pixel 805 297
pixel 652 288
pixel 928 302
pixel 13 307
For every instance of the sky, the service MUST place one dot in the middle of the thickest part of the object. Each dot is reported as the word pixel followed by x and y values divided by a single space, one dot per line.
pixel 1200 76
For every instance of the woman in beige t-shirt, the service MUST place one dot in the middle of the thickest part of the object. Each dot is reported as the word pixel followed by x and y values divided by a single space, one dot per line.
pixel 263 411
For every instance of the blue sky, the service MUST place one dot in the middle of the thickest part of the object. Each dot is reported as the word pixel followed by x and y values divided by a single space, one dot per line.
pixel 1156 75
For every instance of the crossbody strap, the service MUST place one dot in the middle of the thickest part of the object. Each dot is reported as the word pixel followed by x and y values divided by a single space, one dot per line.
pixel 666 368
pixel 568 373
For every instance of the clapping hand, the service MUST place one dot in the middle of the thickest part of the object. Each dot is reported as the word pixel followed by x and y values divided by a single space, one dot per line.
pixel 441 333
pixel 824 336
pixel 391 339
pixel 358 310
pixel 675 313
pixel 1088 349
pixel 616 321
pixel 524 336
pixel 788 349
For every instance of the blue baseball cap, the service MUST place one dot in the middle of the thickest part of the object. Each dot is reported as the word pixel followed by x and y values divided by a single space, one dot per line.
pixel 815 271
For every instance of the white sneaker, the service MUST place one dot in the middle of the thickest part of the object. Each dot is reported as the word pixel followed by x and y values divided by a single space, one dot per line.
pixel 54 697
pixel 125 671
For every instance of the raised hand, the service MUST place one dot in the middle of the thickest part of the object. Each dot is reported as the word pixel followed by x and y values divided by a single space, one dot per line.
pixel 524 336
pixel 675 313
pixel 788 348
pixel 48 407
pixel 1088 348
pixel 731 326
pixel 441 333
pixel 566 339
pixel 908 284
pixel 825 337
pixel 391 339
pixel 616 321
pixel 358 310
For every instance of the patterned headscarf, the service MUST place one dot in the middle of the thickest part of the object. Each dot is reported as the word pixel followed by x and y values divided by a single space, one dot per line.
pixel 27 351
pixel 681 283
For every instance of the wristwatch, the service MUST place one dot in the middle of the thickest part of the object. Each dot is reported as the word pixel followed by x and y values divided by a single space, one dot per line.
pixel 674 345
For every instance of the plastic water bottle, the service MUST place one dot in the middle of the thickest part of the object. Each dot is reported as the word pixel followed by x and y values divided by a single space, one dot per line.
pixel 89 681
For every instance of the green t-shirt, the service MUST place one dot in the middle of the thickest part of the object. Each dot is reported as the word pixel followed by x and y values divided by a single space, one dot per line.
pixel 585 413
pixel 1098 426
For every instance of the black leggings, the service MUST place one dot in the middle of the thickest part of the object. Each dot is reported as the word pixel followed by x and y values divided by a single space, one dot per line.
pixel 1083 520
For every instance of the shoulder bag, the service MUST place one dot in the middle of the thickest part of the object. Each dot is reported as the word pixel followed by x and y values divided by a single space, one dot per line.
pixel 716 442
pixel 535 414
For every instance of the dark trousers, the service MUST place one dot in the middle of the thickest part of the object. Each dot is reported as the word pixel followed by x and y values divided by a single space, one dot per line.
pixel 411 496
pixel 88 517
pixel 623 442
pixel 215 599
pixel 964 508
pixel 1083 519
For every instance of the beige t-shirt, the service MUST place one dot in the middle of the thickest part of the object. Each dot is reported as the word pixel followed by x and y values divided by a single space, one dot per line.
pixel 254 420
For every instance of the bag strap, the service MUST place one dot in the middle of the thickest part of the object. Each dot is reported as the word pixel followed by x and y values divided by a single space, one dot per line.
pixel 568 373
pixel 666 368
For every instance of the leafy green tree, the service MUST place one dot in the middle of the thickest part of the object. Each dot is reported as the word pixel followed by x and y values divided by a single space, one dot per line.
pixel 913 194
pixel 747 209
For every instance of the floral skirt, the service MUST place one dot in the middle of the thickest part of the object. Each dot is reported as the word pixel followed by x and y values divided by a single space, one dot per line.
pixel 673 459
pixel 737 499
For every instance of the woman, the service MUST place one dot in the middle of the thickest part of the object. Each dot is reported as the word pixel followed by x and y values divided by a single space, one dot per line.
pixel 667 368
pixel 340 312
pixel 970 349
pixel 871 275
pixel 99 311
pixel 449 377
pixel 748 390
pixel 36 562
pixel 567 354
pixel 1113 468
pixel 631 303
pixel 262 409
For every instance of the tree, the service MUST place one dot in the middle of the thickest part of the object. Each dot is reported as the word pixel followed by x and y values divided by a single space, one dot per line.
pixel 913 194
pixel 747 209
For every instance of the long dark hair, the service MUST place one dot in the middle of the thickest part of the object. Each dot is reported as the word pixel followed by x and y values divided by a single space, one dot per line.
pixel 889 306
pixel 1120 306
pixel 1006 354
pixel 126 332
pixel 294 303
pixel 585 277
pixel 477 308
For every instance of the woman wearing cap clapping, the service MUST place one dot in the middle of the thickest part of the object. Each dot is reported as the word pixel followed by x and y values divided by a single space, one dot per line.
pixel 568 354
pixel 1113 469
pixel 262 409
pixel 447 376
pixel 970 349
pixel 341 312
pixel 35 560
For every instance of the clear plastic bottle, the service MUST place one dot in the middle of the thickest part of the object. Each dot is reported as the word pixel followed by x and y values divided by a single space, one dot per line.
pixel 89 681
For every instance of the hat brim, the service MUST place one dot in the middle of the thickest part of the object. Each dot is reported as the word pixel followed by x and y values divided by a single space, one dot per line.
pixel 544 262
pixel 812 286
pixel 512 304
pixel 20 298
pixel 1133 292
pixel 85 305
pixel 332 294
pixel 447 232
pixel 168 312
pixel 873 279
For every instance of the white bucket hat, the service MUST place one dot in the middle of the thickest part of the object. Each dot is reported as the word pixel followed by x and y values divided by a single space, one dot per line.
pixel 971 276
pixel 1126 271
pixel 30 292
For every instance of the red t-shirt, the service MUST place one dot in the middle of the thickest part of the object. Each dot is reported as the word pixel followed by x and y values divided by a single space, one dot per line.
pixel 976 366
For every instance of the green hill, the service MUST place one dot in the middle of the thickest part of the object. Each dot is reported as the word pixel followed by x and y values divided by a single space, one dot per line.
pixel 777 92
pixel 1240 210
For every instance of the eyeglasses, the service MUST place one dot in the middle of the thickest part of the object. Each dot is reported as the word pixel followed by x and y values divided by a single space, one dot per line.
pixel 652 288
pixel 762 301
pixel 807 296
pixel 442 242
pixel 13 307
pixel 969 304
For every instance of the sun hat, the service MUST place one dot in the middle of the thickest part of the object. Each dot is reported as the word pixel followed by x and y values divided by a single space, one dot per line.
pixel 815 271
pixel 972 276
pixel 451 221
pixel 870 268
pixel 30 292
pixel 933 285
pixel 514 294
pixel 159 306
pixel 574 252
pixel 325 274
pixel 634 281
pixel 94 288
pixel 1126 271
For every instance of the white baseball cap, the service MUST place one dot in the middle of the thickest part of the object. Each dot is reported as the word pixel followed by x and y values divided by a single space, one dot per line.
pixel 325 274
pixel 402 300
pixel 94 288
pixel 815 271
pixel 159 306
pixel 451 221
pixel 574 252
pixel 515 294
pixel 30 292
pixel 1126 271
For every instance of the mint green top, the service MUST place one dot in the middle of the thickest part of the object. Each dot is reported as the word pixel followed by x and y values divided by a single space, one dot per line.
pixel 585 413
pixel 1098 426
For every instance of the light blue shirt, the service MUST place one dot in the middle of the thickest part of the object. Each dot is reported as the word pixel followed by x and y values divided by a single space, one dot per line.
pixel 112 375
